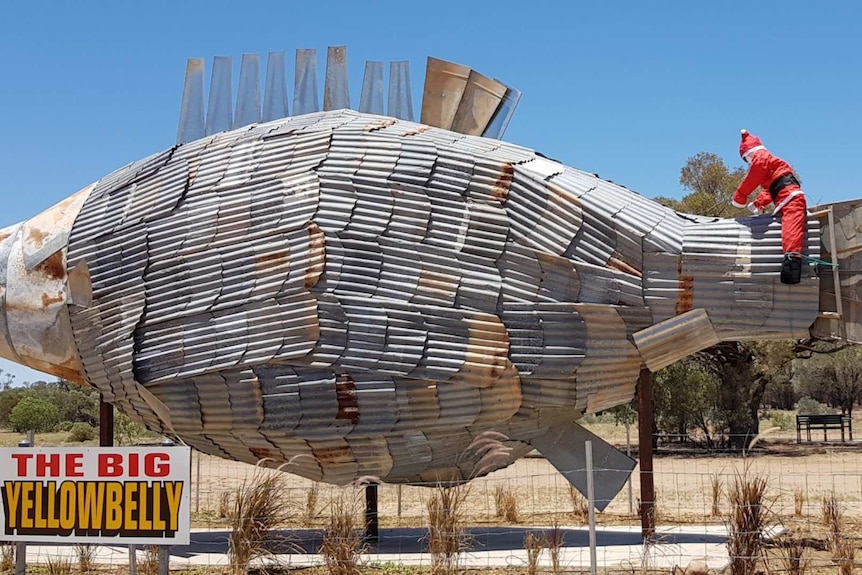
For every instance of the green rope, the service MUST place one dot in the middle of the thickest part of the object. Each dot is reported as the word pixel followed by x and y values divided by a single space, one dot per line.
pixel 819 262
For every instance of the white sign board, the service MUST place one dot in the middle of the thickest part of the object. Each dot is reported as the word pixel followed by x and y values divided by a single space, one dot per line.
pixel 105 495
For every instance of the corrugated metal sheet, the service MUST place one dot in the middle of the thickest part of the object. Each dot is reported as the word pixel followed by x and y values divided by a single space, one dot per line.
pixel 479 102
pixel 674 339
pixel 305 94
pixel 400 95
pixel 336 92
pixel 275 90
pixel 371 99
pixel 500 121
pixel 444 86
pixel 191 125
pixel 220 104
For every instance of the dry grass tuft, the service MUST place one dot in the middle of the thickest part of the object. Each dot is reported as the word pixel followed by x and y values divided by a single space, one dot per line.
pixel 312 496
pixel 342 542
pixel 506 503
pixel 798 501
pixel 58 565
pixel 86 554
pixel 843 551
pixel 533 545
pixel 150 563
pixel 748 512
pixel 793 556
pixel 717 485
pixel 7 556
pixel 580 505
pixel 553 542
pixel 257 510
pixel 447 536
pixel 224 504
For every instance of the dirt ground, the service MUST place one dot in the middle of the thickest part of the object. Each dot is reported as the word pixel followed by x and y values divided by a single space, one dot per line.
pixel 685 481
pixel 691 486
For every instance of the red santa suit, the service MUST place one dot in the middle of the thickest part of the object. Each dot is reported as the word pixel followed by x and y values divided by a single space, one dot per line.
pixel 780 187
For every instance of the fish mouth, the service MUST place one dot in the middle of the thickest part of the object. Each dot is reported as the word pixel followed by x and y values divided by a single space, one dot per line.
pixel 36 289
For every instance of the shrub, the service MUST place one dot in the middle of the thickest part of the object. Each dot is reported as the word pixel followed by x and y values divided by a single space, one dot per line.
pixel 782 420
pixel 81 432
pixel 33 413
pixel 809 406
pixel 64 426
pixel 126 430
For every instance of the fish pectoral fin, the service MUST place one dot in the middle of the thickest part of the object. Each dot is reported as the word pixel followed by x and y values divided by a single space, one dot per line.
pixel 675 338
pixel 564 447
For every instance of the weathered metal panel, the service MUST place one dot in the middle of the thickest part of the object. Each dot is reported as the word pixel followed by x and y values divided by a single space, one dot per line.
pixel 371 99
pixel 336 93
pixel 248 93
pixel 503 115
pixel 220 104
pixel 481 98
pixel 275 90
pixel 191 124
pixel 305 94
pixel 400 96
pixel 674 339
pixel 444 86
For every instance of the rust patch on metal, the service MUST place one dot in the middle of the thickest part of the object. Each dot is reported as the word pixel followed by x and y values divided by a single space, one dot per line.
pixel 4 236
pixel 272 261
pixel 334 455
pixel 379 125
pixel 501 187
pixel 53 267
pixel 37 236
pixel 417 131
pixel 618 264
pixel 566 195
pixel 316 255
pixel 348 405
pixel 685 299
pixel 263 453
pixel 48 299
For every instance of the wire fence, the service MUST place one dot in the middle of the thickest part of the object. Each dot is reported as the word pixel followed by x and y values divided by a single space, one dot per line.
pixel 528 517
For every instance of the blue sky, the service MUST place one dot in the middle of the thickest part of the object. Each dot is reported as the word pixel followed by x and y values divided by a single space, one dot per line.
pixel 628 90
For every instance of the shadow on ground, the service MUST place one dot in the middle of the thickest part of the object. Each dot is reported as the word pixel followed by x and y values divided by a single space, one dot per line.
pixel 413 540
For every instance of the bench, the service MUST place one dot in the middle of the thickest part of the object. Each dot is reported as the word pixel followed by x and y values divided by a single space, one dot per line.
pixel 824 422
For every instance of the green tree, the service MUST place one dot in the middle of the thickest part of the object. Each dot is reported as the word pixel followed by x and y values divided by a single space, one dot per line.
pixel 34 413
pixel 710 184
pixel 683 399
pixel 834 379
pixel 9 398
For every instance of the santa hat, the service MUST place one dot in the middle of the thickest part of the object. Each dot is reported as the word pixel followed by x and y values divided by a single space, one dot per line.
pixel 749 144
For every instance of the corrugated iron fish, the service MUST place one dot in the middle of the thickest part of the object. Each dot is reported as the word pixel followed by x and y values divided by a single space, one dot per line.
pixel 349 295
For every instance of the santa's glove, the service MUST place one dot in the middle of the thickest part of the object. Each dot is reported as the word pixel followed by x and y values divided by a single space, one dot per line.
pixel 753 209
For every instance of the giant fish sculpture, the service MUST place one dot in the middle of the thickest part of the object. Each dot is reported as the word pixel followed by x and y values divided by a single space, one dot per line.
pixel 348 295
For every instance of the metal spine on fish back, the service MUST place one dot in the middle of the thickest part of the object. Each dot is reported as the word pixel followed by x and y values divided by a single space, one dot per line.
pixel 455 97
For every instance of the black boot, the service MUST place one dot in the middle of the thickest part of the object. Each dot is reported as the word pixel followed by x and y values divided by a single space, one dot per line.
pixel 791 269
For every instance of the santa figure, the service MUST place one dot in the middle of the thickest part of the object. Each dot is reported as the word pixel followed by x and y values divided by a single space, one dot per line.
pixel 781 188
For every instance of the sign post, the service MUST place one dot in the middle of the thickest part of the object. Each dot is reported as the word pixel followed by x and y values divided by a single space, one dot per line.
pixel 103 496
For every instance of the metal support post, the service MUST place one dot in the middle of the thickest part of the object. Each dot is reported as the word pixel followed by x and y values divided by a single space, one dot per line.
pixel 645 422
pixel 372 526
pixel 591 503
pixel 106 423
pixel 21 547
